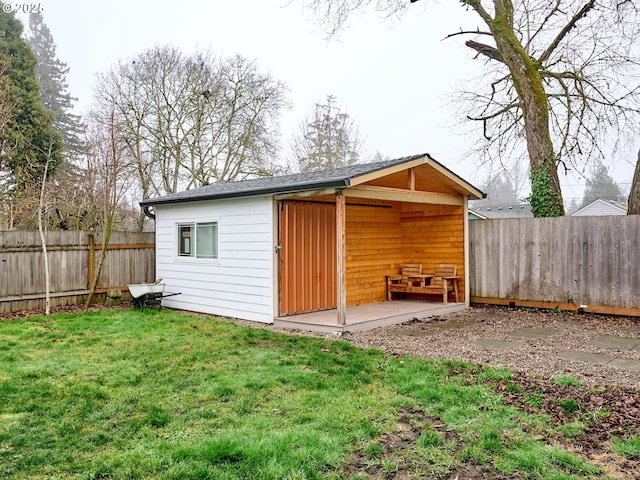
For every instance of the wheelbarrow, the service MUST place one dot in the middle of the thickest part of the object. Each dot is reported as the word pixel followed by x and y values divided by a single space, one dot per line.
pixel 148 294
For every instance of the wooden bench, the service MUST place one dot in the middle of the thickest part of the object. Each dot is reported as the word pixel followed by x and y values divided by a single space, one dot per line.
pixel 411 280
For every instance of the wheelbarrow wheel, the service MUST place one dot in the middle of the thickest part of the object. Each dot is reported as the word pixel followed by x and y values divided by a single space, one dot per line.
pixel 139 302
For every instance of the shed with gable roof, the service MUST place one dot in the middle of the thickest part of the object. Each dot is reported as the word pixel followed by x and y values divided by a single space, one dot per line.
pixel 320 243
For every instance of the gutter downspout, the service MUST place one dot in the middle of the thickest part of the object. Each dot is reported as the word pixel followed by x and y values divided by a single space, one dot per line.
pixel 147 212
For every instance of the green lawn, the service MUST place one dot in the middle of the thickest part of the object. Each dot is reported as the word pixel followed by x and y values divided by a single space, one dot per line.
pixel 158 394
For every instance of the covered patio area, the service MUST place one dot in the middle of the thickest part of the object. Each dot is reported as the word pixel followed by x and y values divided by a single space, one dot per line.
pixel 368 316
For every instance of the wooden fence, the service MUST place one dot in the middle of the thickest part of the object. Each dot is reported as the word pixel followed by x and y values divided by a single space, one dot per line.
pixel 73 256
pixel 561 262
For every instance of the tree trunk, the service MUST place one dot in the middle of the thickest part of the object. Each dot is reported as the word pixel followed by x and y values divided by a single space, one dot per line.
pixel 45 256
pixel 106 235
pixel 634 195
pixel 546 195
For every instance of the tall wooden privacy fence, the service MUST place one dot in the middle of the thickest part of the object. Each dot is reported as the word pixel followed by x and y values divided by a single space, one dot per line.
pixel 554 262
pixel 561 262
pixel 73 256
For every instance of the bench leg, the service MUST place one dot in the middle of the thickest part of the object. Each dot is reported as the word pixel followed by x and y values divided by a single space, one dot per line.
pixel 455 289
pixel 445 294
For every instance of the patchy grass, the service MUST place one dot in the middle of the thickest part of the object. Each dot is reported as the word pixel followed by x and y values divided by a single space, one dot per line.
pixel 627 447
pixel 158 394
pixel 567 381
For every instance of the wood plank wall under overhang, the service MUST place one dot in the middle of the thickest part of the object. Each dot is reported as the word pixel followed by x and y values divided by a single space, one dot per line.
pixel 379 239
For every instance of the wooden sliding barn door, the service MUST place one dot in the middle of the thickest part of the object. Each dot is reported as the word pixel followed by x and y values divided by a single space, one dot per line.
pixel 307 239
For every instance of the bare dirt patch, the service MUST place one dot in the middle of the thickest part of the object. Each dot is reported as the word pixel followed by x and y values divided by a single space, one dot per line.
pixel 393 460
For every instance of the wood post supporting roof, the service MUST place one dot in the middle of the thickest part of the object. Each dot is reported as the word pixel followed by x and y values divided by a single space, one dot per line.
pixel 341 253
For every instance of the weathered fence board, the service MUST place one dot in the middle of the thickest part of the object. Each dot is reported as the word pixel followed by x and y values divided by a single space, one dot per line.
pixel 569 260
pixel 130 259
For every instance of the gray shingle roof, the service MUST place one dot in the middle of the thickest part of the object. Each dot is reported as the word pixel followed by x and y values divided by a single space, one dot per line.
pixel 513 210
pixel 338 177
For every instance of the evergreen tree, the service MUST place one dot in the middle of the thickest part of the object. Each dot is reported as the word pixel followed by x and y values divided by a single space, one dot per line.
pixel 52 76
pixel 601 185
pixel 328 139
pixel 573 207
pixel 500 190
pixel 28 139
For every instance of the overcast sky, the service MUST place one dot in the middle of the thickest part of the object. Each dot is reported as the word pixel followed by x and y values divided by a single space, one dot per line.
pixel 395 78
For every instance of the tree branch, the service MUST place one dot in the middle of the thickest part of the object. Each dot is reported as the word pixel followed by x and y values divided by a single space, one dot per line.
pixel 497 113
pixel 487 50
pixel 567 28
pixel 542 26
pixel 468 32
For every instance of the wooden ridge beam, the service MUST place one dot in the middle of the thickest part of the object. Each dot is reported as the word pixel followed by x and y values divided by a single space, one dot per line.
pixel 398 195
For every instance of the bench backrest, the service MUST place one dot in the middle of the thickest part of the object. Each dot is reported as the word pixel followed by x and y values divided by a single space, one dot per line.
pixel 443 270
pixel 412 269
pixel 446 270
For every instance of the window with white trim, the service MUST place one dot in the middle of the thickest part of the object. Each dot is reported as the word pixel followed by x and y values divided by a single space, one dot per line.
pixel 199 240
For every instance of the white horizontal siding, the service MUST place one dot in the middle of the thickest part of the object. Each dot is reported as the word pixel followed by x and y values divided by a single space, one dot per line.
pixel 599 208
pixel 240 282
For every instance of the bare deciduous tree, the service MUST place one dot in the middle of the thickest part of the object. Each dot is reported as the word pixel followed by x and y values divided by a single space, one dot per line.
pixel 563 80
pixel 191 120
pixel 41 230
pixel 107 159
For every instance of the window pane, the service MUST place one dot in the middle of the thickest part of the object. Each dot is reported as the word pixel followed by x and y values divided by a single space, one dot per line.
pixel 207 240
pixel 185 240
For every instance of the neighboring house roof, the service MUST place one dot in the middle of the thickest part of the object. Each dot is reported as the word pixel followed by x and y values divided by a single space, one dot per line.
pixel 300 182
pixel 476 216
pixel 515 210
pixel 601 207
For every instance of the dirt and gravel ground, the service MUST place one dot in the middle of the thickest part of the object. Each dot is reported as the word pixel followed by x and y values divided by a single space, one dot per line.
pixel 454 336
pixel 535 362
